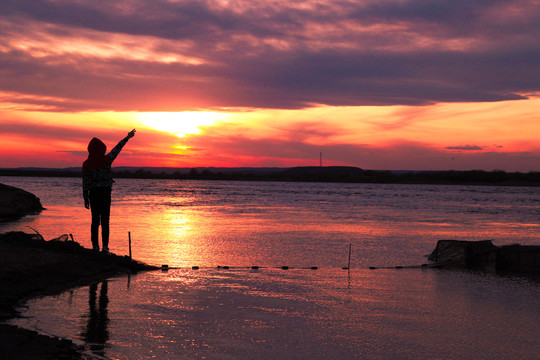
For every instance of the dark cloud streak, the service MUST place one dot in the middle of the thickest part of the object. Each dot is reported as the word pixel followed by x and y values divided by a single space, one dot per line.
pixel 465 148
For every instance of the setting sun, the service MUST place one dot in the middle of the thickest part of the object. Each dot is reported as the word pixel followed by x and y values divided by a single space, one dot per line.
pixel 180 123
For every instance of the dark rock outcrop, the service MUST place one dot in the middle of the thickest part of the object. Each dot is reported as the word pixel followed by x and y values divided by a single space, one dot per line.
pixel 16 203
pixel 483 255
pixel 519 258
pixel 465 254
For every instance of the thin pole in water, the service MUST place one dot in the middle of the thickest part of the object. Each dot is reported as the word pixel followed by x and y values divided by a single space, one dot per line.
pixel 350 250
pixel 348 267
pixel 129 236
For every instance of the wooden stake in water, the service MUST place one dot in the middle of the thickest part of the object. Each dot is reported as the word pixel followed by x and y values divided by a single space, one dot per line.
pixel 129 236
pixel 350 250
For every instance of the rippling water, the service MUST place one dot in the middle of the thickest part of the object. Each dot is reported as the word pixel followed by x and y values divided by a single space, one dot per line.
pixel 210 223
pixel 295 314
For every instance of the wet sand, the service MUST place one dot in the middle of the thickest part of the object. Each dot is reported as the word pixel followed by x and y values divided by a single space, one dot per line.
pixel 31 267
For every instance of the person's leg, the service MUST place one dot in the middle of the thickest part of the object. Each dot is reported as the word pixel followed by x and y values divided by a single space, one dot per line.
pixel 95 208
pixel 105 216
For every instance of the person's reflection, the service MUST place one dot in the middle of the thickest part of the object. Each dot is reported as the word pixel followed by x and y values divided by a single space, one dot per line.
pixel 96 334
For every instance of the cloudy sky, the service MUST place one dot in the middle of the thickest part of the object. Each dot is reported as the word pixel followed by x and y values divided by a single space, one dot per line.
pixel 378 84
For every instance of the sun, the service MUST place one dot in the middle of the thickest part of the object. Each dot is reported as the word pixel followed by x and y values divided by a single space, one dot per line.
pixel 180 123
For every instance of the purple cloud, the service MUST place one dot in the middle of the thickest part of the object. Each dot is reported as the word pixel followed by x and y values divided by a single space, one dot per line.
pixel 269 55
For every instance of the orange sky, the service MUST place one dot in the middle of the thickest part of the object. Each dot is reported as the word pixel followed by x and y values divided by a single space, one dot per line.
pixel 394 85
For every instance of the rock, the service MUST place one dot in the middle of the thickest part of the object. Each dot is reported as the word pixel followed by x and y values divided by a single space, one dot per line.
pixel 16 203
pixel 483 255
pixel 466 254
pixel 519 258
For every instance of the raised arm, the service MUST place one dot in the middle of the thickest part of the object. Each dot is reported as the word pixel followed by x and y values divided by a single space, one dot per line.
pixel 116 150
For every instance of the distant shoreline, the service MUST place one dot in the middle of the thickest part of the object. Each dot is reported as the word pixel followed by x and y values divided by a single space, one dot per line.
pixel 334 174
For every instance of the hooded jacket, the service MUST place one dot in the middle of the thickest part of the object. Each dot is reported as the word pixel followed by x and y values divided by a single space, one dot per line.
pixel 97 168
pixel 96 155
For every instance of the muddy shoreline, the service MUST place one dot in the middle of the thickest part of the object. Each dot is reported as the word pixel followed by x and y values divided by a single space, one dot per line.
pixel 32 267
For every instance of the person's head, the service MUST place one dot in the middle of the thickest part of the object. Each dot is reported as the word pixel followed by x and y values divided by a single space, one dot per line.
pixel 96 148
pixel 96 155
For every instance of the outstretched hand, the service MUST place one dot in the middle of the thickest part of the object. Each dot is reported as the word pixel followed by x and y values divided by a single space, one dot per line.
pixel 131 134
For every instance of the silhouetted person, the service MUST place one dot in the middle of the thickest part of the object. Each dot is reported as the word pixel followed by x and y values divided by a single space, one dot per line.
pixel 96 333
pixel 97 185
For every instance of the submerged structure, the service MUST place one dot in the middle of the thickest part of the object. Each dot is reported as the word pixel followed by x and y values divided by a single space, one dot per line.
pixel 483 255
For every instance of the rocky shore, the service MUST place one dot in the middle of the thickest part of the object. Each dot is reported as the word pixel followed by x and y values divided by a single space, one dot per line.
pixel 31 267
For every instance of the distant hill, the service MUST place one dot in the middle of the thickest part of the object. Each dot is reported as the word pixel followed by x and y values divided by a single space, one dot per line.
pixel 326 170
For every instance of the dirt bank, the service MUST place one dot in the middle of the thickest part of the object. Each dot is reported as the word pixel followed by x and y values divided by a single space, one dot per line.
pixel 30 267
